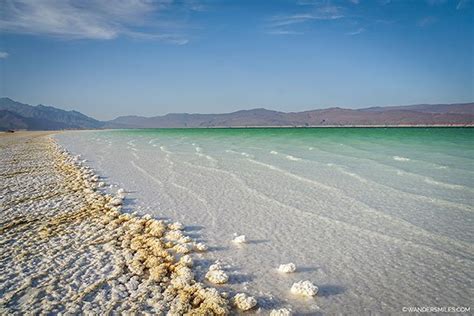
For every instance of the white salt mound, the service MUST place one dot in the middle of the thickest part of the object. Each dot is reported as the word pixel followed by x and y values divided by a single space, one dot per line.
pixel 239 239
pixel 116 201
pixel 244 302
pixel 215 266
pixel 176 226
pixel 217 276
pixel 200 246
pixel 287 268
pixel 304 288
pixel 280 312
pixel 186 260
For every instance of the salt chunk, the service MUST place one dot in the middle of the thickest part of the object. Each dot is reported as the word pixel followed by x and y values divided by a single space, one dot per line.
pixel 201 247
pixel 244 302
pixel 287 268
pixel 239 239
pixel 186 260
pixel 280 312
pixel 176 226
pixel 215 266
pixel 304 288
pixel 116 201
pixel 217 276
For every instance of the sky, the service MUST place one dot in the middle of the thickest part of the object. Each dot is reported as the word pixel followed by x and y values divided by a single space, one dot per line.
pixel 144 57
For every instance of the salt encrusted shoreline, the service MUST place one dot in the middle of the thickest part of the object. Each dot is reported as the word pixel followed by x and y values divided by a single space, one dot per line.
pixel 65 247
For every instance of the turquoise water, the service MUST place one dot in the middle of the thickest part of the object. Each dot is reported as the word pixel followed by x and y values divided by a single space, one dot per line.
pixel 378 218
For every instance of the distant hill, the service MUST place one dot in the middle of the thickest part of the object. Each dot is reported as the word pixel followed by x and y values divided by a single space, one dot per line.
pixel 423 114
pixel 16 115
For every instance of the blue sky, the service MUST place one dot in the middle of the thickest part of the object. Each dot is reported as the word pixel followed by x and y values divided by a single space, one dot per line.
pixel 143 57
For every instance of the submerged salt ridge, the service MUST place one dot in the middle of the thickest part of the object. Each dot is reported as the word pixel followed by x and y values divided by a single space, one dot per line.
pixel 371 231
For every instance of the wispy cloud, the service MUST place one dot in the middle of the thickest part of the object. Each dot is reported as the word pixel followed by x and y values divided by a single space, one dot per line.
pixel 319 12
pixel 283 20
pixel 3 55
pixel 278 24
pixel 316 11
pixel 356 32
pixel 283 32
pixel 87 19
pixel 354 1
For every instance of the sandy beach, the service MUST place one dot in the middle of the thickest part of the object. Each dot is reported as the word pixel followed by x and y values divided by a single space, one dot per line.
pixel 66 247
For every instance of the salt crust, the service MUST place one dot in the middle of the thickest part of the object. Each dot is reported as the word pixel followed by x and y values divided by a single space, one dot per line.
pixel 65 247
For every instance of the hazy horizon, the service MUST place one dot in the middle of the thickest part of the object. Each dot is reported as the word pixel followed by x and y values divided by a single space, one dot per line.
pixel 151 58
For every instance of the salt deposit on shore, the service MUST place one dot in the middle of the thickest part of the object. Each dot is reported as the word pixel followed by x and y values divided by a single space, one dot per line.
pixel 287 268
pixel 66 247
pixel 304 288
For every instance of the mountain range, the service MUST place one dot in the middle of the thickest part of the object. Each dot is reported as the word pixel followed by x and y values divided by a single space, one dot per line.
pixel 15 116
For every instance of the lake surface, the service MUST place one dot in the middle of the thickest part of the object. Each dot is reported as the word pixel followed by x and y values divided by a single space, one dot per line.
pixel 378 218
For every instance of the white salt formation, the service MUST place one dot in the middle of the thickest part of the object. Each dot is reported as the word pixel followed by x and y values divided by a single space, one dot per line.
pixel 280 312
pixel 176 226
pixel 239 239
pixel 201 247
pixel 67 249
pixel 287 268
pixel 244 302
pixel 216 275
pixel 304 288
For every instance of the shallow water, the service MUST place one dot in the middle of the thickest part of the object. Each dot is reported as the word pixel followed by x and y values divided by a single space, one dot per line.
pixel 378 218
